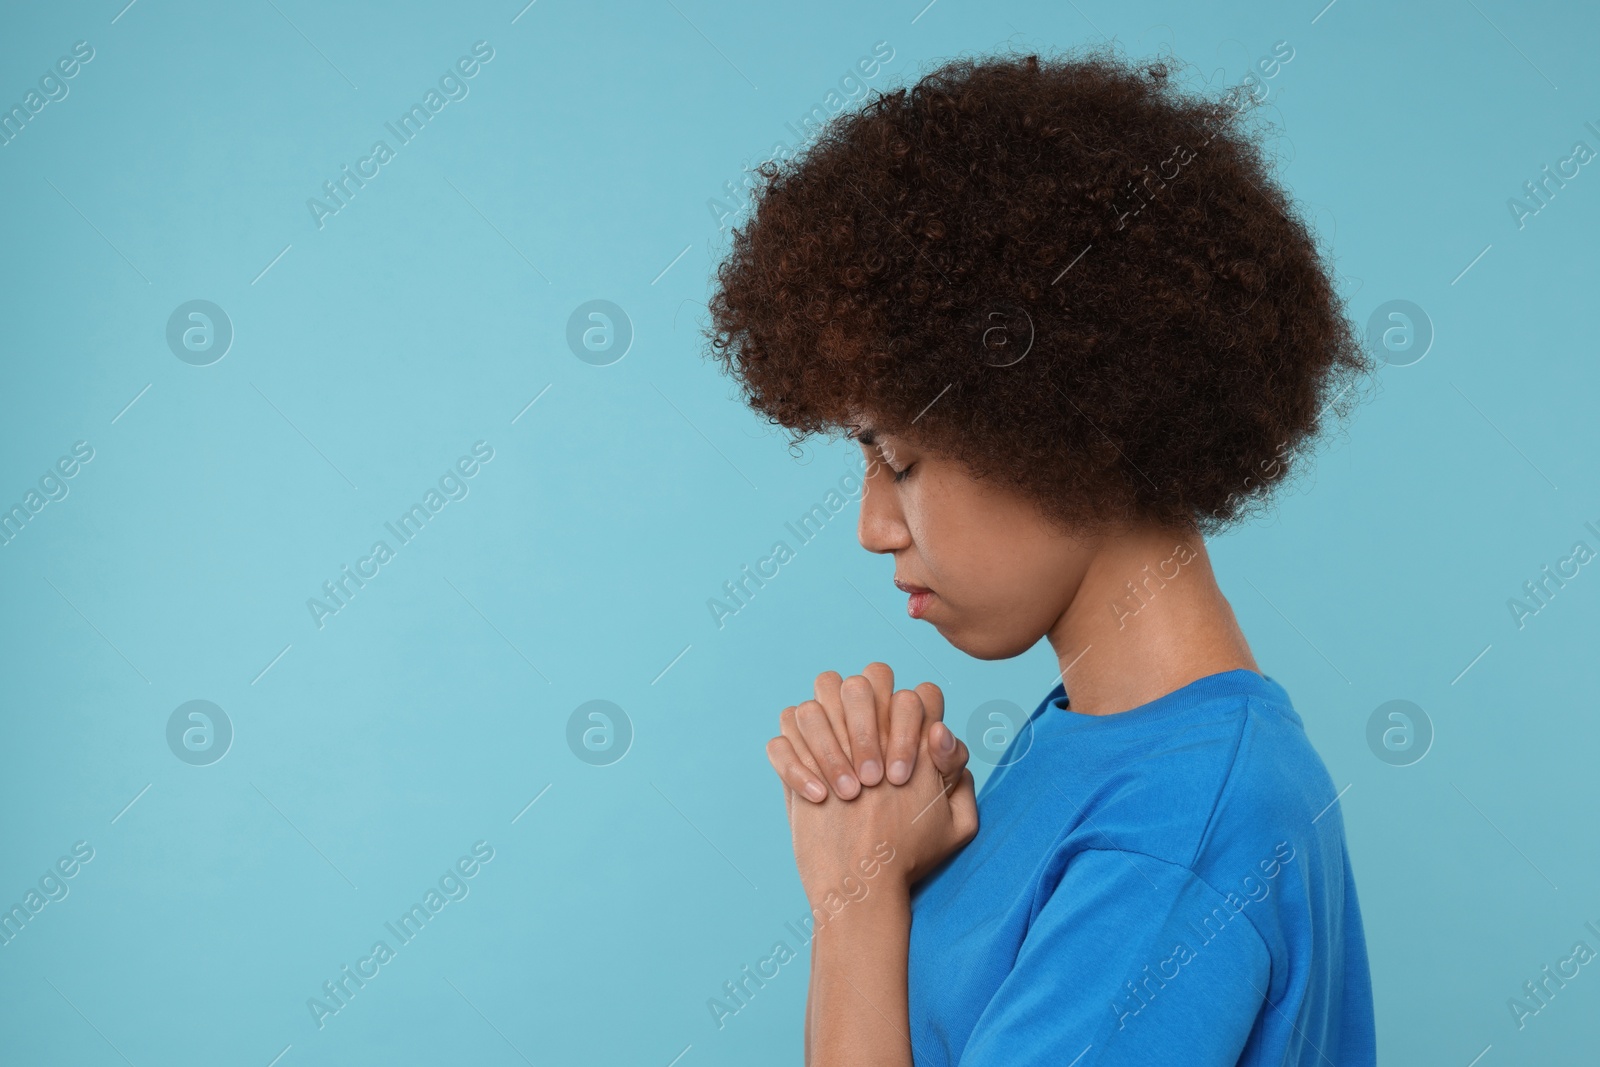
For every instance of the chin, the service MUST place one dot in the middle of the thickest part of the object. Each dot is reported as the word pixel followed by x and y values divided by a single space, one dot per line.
pixel 989 646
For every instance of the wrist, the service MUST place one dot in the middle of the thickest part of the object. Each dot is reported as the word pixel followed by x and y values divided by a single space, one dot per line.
pixel 880 875
pixel 885 908
pixel 858 970
pixel 862 943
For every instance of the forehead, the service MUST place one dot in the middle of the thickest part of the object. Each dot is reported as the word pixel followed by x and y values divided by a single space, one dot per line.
pixel 859 427
pixel 869 436
pixel 862 427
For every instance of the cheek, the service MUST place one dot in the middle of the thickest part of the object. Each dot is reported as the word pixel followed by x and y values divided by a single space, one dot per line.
pixel 1000 575
pixel 992 597
pixel 1015 598
pixel 963 556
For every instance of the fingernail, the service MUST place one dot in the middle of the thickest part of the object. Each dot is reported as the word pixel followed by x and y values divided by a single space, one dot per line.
pixel 846 784
pixel 817 791
pixel 947 740
pixel 899 771
pixel 871 771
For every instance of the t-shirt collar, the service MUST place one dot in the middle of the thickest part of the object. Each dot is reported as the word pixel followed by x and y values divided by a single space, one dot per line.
pixel 1240 681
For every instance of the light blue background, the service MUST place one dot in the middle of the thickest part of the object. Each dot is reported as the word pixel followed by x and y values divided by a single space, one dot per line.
pixel 426 715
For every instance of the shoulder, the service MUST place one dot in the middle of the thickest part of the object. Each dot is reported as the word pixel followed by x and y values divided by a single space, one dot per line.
pixel 1276 774
pixel 1234 775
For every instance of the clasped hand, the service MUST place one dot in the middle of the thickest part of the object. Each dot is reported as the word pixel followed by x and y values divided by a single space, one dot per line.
pixel 923 806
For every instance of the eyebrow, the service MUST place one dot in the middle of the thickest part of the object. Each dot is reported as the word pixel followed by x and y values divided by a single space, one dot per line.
pixel 866 436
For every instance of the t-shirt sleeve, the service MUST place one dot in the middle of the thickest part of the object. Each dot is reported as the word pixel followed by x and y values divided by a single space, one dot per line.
pixel 1132 960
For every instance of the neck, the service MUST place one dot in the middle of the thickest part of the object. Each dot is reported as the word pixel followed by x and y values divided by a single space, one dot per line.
pixel 1148 618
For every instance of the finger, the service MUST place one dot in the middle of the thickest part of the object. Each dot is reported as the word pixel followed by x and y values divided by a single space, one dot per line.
pixel 964 809
pixel 861 719
pixel 881 675
pixel 949 752
pixel 794 774
pixel 932 711
pixel 905 731
pixel 817 731
pixel 789 727
pixel 826 689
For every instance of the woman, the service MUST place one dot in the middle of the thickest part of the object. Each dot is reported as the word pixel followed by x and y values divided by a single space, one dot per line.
pixel 1074 326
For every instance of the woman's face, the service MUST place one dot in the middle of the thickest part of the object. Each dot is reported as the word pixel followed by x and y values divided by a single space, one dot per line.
pixel 1000 575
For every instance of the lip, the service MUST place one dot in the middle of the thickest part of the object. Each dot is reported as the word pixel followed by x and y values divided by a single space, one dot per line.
pixel 920 595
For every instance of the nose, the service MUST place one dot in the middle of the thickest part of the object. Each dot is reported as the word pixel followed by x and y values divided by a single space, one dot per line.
pixel 882 527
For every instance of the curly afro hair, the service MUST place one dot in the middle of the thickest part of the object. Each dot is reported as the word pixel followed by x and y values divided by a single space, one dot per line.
pixel 1066 273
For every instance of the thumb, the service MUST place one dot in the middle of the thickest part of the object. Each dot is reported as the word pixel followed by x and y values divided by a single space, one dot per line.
pixel 964 808
pixel 951 761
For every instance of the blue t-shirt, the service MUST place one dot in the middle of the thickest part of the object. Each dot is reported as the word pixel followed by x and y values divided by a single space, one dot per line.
pixel 1166 885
